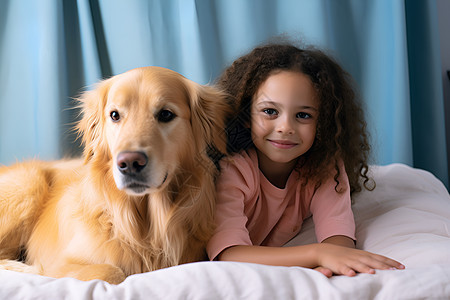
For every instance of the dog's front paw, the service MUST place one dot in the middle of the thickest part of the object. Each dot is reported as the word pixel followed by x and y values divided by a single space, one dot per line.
pixel 14 265
pixel 105 272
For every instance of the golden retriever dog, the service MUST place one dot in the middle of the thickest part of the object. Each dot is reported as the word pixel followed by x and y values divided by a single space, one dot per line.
pixel 141 198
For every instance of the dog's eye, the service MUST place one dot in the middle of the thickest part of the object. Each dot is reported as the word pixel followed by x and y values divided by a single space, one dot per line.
pixel 165 116
pixel 115 116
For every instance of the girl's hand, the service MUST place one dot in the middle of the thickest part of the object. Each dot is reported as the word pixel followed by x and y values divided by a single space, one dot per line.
pixel 347 261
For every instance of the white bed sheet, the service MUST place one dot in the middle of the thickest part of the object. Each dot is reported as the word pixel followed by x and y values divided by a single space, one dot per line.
pixel 407 217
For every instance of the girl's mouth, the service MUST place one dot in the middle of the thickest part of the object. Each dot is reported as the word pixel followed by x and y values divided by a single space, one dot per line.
pixel 282 144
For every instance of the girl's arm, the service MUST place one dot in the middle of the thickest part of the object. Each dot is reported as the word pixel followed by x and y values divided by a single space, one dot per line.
pixel 338 259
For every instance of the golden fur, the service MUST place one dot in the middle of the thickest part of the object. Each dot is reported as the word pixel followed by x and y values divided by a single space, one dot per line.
pixel 85 218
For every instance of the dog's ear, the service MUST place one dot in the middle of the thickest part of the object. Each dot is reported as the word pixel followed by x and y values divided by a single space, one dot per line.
pixel 90 127
pixel 210 109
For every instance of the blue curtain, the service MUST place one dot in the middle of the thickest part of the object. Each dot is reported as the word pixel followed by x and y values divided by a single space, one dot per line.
pixel 51 50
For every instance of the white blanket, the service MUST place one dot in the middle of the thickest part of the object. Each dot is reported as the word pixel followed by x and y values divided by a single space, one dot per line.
pixel 407 217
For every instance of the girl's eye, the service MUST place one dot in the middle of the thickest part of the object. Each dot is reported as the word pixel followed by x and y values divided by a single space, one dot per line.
pixel 165 116
pixel 115 116
pixel 303 115
pixel 270 111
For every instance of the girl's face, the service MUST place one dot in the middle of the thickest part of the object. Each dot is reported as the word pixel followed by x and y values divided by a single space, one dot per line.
pixel 284 117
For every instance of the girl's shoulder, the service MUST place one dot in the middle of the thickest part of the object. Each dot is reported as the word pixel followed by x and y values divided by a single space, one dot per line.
pixel 242 166
pixel 243 159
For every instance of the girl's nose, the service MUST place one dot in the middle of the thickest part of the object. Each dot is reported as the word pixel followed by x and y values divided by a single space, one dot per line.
pixel 285 126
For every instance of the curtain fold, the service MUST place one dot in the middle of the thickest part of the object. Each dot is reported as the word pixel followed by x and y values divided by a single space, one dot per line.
pixel 52 50
pixel 426 86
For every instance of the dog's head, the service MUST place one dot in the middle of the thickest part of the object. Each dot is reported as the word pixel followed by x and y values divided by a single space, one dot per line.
pixel 148 123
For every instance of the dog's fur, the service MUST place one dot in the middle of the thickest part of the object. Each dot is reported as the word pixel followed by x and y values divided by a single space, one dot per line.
pixel 141 198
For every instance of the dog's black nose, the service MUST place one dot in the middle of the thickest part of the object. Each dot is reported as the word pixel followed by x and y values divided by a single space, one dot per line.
pixel 129 162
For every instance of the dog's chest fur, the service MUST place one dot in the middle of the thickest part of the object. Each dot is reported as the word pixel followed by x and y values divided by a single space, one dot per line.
pixel 91 217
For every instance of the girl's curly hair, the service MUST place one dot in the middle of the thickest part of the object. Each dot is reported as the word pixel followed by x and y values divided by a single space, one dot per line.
pixel 341 128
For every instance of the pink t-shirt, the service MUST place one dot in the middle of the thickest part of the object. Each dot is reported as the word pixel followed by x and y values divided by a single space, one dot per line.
pixel 252 211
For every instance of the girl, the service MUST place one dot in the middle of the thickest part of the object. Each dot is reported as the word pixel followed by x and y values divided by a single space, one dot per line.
pixel 300 148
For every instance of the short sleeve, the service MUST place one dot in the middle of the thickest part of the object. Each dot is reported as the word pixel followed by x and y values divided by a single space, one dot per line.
pixel 331 210
pixel 233 185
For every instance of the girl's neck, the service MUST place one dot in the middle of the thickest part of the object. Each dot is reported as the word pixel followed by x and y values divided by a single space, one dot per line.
pixel 277 173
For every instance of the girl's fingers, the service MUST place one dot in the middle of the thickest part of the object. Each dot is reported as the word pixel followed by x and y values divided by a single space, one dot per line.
pixel 348 272
pixel 368 264
pixel 385 263
pixel 325 271
pixel 361 267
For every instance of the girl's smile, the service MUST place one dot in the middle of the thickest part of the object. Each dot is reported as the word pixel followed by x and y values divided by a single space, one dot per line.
pixel 282 144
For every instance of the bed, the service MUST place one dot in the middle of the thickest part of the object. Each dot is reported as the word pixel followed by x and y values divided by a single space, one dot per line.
pixel 407 217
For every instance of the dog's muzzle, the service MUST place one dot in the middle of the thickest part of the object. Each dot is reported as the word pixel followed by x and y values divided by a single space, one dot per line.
pixel 134 174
